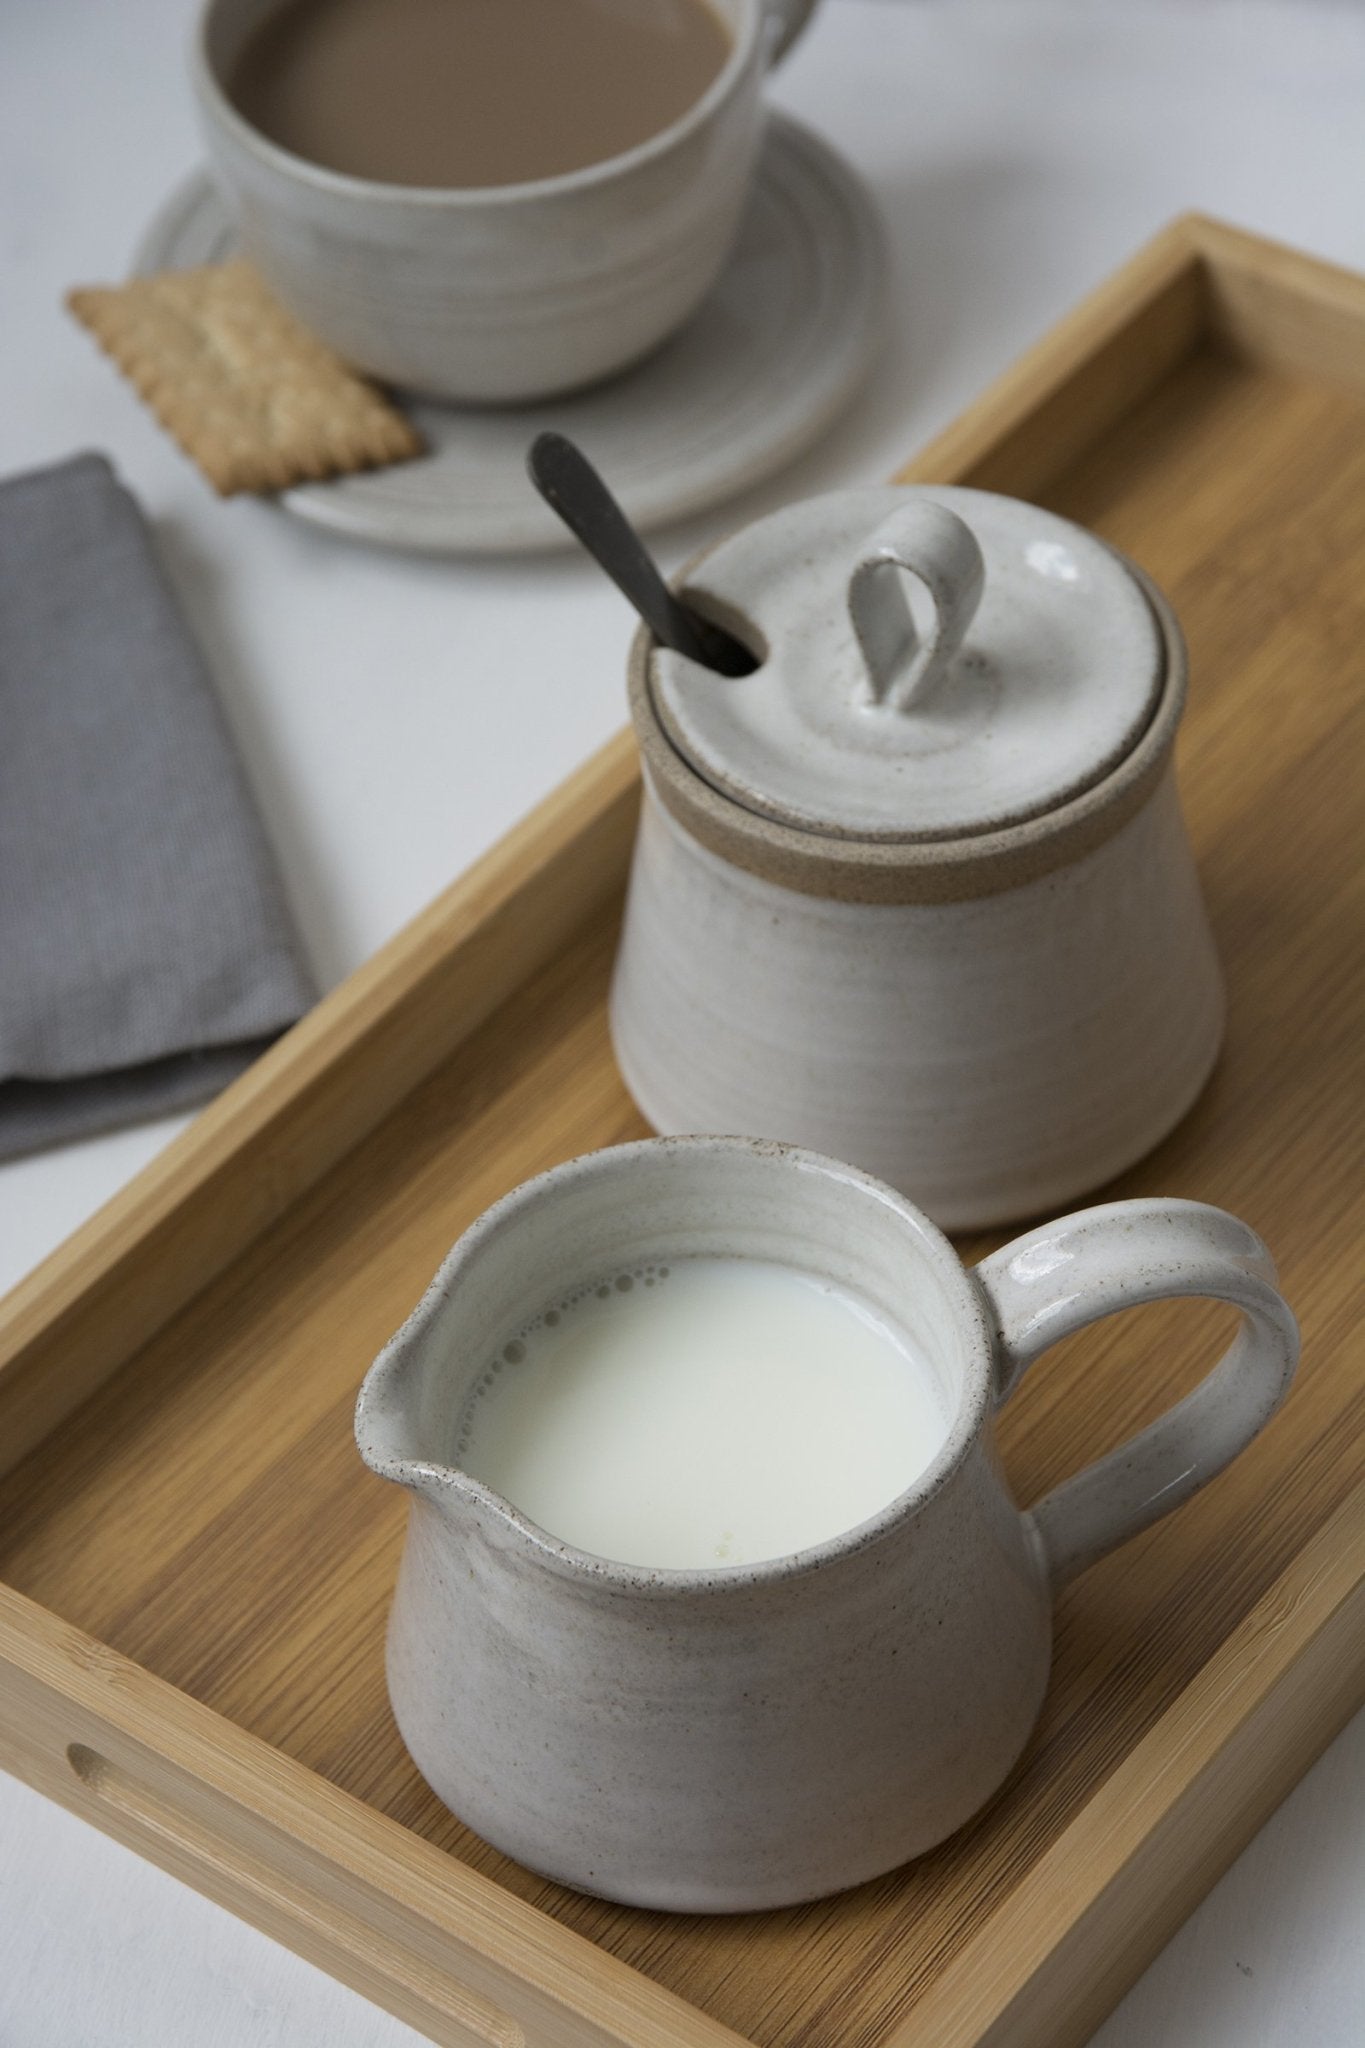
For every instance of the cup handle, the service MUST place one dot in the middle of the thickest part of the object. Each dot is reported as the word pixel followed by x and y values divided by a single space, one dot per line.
pixel 1071 1273
pixel 782 23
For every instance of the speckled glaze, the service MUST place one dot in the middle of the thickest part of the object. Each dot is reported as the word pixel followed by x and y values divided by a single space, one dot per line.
pixel 753 1736
pixel 995 1021
pixel 508 292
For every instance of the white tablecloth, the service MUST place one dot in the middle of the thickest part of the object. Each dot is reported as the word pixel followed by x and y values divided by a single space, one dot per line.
pixel 397 715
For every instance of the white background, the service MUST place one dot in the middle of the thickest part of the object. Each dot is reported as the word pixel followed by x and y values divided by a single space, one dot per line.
pixel 397 715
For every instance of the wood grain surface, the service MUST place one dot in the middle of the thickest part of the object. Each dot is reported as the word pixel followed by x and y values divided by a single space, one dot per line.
pixel 205 1514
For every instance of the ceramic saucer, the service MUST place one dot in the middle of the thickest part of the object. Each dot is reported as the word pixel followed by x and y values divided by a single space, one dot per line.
pixel 757 373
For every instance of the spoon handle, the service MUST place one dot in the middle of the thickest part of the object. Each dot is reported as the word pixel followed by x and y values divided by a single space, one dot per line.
pixel 571 487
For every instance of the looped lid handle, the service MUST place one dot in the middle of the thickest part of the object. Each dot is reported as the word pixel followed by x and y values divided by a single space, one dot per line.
pixel 925 540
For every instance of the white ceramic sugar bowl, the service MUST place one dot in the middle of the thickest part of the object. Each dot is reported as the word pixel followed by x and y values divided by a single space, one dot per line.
pixel 917 892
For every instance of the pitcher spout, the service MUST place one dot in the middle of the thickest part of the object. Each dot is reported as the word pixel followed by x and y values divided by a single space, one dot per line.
pixel 402 1417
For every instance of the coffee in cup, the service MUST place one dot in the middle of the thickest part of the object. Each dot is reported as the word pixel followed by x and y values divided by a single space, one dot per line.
pixel 472 93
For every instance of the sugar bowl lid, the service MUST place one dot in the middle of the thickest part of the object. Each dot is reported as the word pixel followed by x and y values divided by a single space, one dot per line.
pixel 935 663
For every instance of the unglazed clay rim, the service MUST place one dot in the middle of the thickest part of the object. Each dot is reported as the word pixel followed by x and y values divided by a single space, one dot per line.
pixel 962 1298
pixel 912 871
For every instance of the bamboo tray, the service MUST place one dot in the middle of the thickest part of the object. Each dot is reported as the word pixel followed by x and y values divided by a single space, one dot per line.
pixel 198 1567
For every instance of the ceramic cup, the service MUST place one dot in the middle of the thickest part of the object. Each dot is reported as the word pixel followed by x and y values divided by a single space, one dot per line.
pixel 751 1736
pixel 502 293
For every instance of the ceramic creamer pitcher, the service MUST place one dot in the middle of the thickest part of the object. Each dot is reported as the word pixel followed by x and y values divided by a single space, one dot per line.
pixel 754 1735
pixel 917 892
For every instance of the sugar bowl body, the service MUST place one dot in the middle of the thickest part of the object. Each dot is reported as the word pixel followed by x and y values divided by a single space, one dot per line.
pixel 929 905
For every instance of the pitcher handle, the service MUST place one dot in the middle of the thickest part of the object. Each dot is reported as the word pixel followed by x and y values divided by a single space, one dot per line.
pixel 782 24
pixel 1058 1279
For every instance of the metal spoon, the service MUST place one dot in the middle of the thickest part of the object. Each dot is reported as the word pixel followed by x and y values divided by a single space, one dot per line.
pixel 571 487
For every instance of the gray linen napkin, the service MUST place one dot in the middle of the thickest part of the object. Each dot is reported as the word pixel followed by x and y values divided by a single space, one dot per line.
pixel 146 955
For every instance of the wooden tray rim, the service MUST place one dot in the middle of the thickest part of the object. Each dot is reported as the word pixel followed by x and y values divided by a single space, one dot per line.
pixel 274 1841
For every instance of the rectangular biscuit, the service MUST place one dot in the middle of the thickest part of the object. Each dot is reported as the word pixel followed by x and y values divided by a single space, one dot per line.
pixel 250 395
